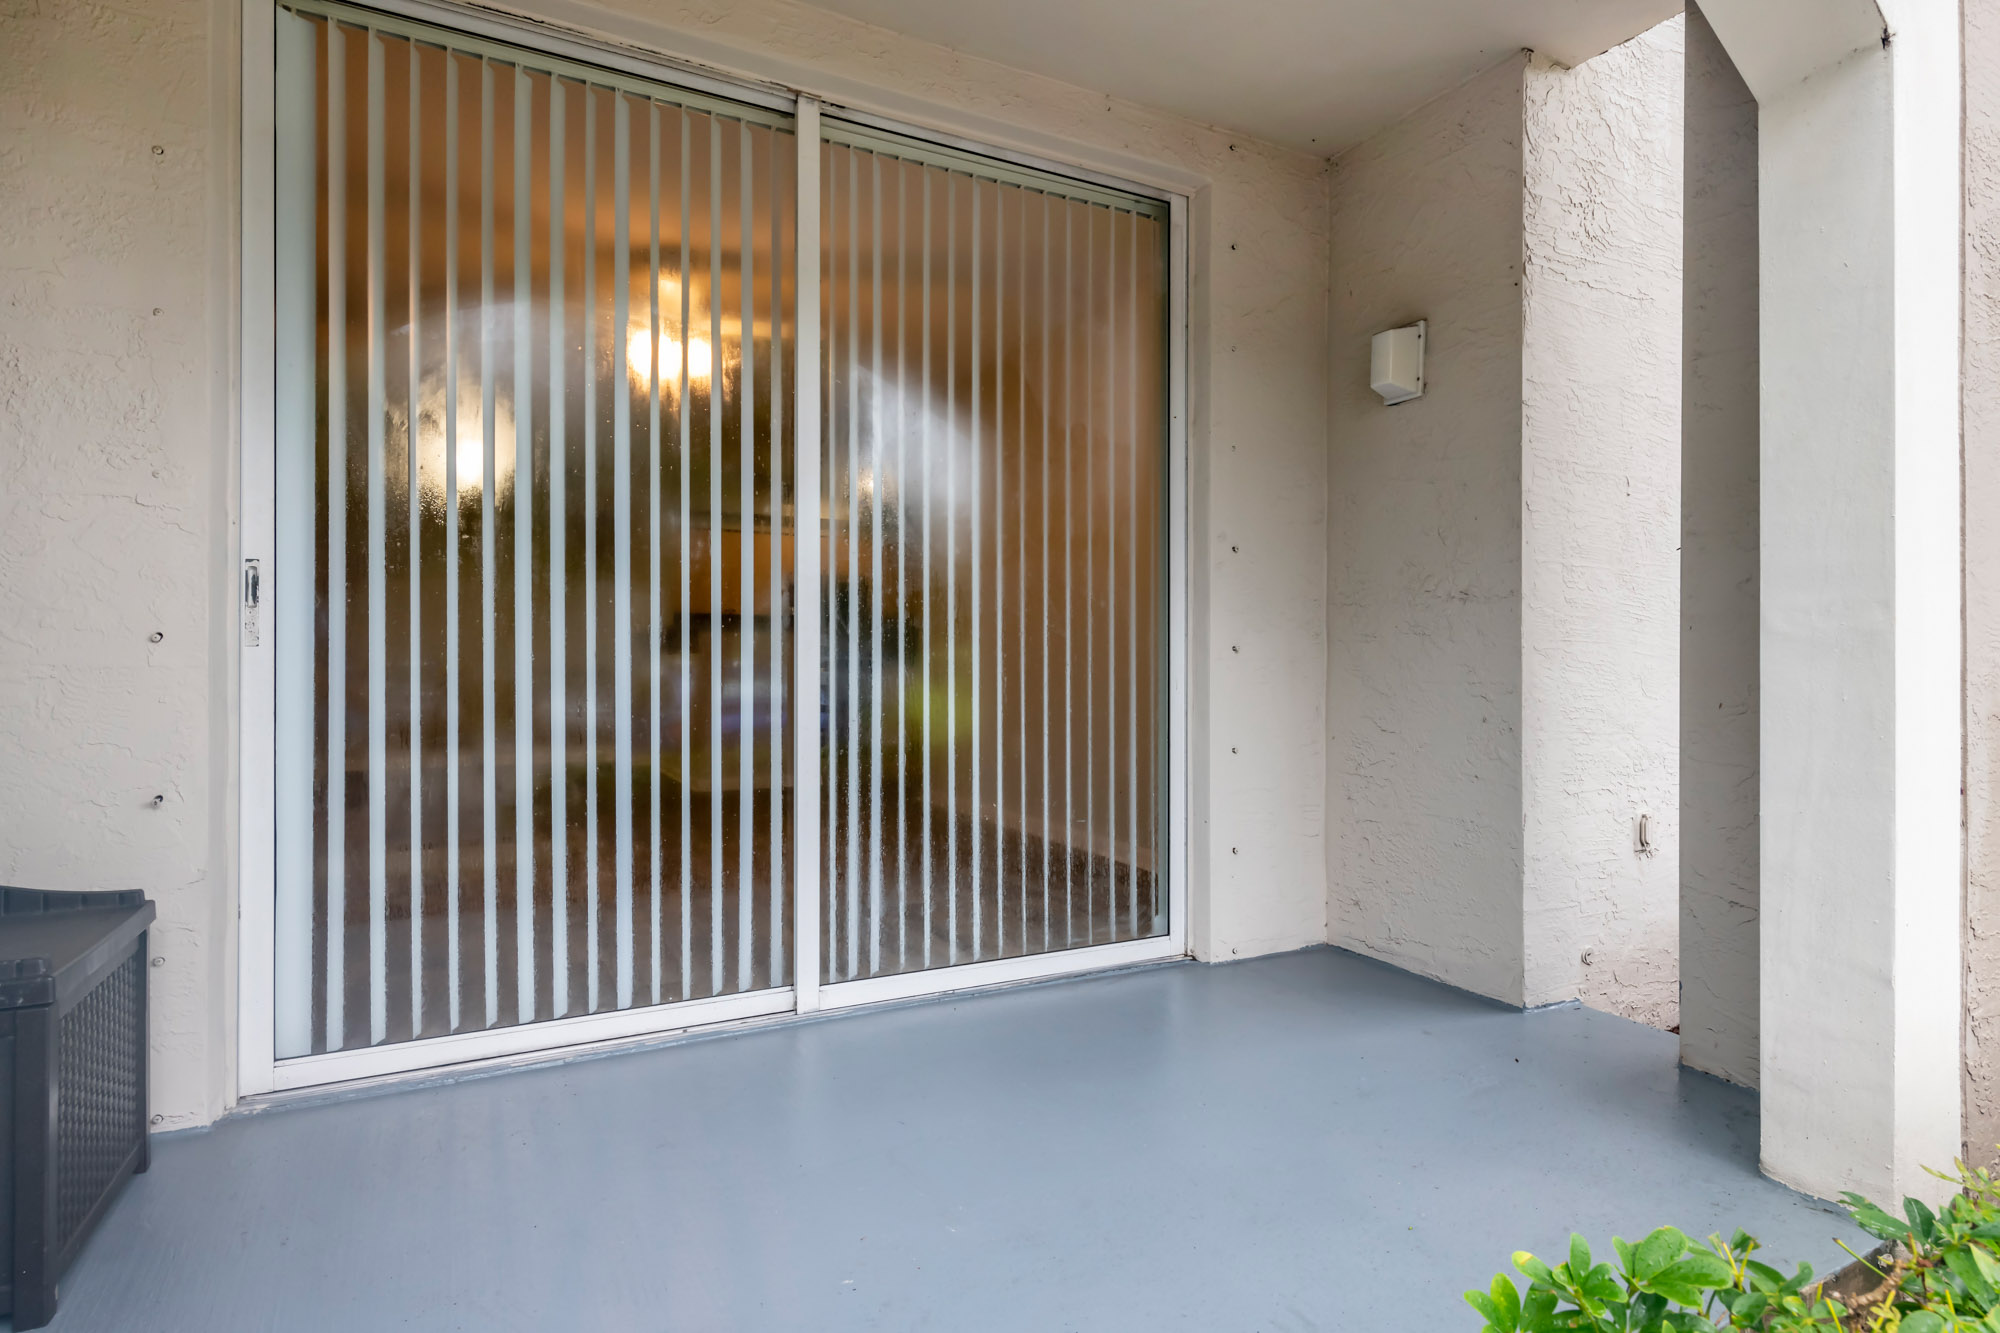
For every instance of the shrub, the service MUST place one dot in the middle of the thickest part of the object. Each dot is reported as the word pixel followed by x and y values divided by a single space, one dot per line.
pixel 1937 1272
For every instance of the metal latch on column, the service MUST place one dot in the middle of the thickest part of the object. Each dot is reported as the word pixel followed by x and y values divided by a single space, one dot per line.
pixel 253 595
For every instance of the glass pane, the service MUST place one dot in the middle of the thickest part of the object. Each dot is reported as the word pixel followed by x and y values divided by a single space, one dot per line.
pixel 994 468
pixel 544 640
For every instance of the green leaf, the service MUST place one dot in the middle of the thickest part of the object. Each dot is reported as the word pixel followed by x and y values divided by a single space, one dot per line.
pixel 1658 1250
pixel 1534 1269
pixel 1763 1277
pixel 1687 1280
pixel 1706 1270
pixel 1579 1256
pixel 1922 1220
pixel 1747 1312
pixel 1538 1310
pixel 1601 1284
pixel 1647 1310
pixel 1967 1269
pixel 1625 1251
pixel 1923 1321
pixel 1874 1221
pixel 1687 1321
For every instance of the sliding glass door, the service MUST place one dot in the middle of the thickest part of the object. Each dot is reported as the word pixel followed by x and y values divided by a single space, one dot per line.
pixel 993 487
pixel 534 523
pixel 544 750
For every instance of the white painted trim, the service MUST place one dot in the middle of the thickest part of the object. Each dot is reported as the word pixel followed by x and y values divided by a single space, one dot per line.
pixel 805 575
pixel 1929 564
pixel 1180 572
pixel 550 1034
pixel 980 148
pixel 574 43
pixel 998 972
pixel 257 717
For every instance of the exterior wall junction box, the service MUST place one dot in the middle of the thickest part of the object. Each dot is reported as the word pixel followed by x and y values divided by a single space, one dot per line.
pixel 1396 363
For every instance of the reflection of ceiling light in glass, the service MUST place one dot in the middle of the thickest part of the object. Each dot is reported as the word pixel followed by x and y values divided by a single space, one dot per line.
pixel 470 453
pixel 471 462
pixel 639 357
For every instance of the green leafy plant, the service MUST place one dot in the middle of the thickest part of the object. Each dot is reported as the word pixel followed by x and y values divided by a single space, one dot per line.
pixel 1937 1272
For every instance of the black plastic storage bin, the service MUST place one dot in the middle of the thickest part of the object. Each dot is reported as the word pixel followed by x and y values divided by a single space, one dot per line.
pixel 72 1078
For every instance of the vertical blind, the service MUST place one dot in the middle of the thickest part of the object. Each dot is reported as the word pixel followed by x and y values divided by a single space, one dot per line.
pixel 993 480
pixel 536 540
pixel 533 604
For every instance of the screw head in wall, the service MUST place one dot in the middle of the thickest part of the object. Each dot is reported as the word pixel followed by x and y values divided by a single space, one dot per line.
pixel 155 637
pixel 159 150
pixel 159 962
pixel 159 1120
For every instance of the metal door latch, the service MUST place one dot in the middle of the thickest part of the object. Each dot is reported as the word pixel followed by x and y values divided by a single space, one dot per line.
pixel 253 594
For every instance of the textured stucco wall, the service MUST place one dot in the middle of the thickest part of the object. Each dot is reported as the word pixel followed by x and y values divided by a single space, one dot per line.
pixel 116 211
pixel 118 457
pixel 1424 552
pixel 1718 834
pixel 1982 580
pixel 1600 502
pixel 1502 592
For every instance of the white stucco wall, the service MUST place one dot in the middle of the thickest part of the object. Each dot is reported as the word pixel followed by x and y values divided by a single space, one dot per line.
pixel 1982 582
pixel 1600 526
pixel 1502 593
pixel 116 274
pixel 1424 553
pixel 118 458
pixel 1718 833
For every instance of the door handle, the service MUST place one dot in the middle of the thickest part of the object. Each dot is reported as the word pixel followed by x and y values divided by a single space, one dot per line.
pixel 253 596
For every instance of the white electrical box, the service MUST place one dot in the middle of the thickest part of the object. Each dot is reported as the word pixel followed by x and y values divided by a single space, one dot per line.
pixel 1396 364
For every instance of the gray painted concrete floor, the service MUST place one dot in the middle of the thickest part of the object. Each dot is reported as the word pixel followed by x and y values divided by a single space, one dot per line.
pixel 1313 1141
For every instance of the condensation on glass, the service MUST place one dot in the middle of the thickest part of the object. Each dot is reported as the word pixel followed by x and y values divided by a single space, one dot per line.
pixel 534 517
pixel 993 492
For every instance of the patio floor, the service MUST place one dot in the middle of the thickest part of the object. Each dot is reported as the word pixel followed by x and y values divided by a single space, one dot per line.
pixel 1313 1141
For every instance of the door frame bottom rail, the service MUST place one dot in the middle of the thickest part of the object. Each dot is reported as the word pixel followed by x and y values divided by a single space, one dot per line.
pixel 999 972
pixel 336 1075
pixel 428 1054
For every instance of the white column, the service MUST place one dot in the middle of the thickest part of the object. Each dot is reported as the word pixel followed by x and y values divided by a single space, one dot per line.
pixel 1861 867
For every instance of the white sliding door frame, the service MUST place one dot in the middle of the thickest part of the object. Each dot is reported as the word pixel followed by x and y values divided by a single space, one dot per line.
pixel 256 764
pixel 805 575
pixel 258 1070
